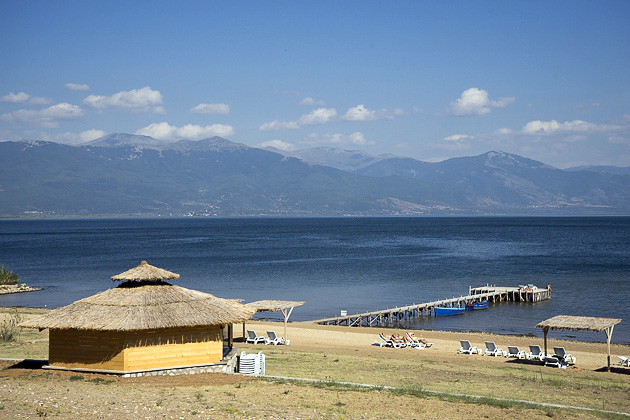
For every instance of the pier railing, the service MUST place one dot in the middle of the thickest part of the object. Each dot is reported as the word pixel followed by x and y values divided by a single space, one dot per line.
pixel 476 294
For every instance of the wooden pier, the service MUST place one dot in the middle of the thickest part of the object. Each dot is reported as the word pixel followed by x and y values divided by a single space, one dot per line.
pixel 477 294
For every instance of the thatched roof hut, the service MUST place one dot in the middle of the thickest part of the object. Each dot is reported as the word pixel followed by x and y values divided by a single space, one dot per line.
pixel 127 327
pixel 577 323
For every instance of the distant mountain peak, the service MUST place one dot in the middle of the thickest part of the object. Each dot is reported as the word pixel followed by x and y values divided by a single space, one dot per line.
pixel 499 158
pixel 334 157
pixel 122 139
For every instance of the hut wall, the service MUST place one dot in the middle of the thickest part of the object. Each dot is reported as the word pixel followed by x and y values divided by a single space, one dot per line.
pixel 86 349
pixel 173 347
pixel 135 350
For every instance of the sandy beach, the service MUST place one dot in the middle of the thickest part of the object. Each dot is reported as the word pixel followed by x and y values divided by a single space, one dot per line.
pixel 436 382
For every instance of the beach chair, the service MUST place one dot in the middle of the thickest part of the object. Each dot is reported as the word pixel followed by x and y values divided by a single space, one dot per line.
pixel 513 351
pixel 388 342
pixel 492 349
pixel 535 353
pixel 255 339
pixel 552 361
pixel 418 343
pixel 272 338
pixel 564 357
pixel 624 361
pixel 467 348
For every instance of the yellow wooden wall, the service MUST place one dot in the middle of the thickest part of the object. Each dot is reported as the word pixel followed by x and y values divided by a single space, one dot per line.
pixel 86 349
pixel 135 350
pixel 173 347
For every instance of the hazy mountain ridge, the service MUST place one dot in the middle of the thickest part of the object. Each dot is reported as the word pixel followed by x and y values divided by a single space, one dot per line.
pixel 136 175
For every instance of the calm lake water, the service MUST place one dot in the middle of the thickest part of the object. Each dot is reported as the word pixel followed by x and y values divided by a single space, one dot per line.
pixel 353 264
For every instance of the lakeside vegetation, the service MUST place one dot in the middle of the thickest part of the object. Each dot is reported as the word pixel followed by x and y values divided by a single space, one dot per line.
pixel 8 277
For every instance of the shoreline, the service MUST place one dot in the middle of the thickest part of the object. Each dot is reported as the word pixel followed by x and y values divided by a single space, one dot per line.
pixel 8 289
pixel 37 310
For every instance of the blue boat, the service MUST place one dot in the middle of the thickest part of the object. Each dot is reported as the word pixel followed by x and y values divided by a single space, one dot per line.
pixel 444 311
pixel 477 305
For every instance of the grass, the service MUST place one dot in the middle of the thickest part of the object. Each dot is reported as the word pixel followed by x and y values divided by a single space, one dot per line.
pixel 554 386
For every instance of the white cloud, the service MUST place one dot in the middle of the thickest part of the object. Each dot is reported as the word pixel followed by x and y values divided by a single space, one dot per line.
pixel 165 131
pixel 278 144
pixel 317 116
pixel 217 109
pixel 457 137
pixel 336 139
pixel 90 135
pixel 15 98
pixel 40 101
pixel 22 97
pixel 71 138
pixel 361 113
pixel 503 131
pixel 77 87
pixel 140 100
pixel 48 117
pixel 553 126
pixel 279 125
pixel 310 101
pixel 475 101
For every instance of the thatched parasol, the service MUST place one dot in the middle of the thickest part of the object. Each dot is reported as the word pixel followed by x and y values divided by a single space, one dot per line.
pixel 284 306
pixel 587 323
pixel 145 272
pixel 144 302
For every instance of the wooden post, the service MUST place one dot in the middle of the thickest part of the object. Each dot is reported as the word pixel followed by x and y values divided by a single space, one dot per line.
pixel 286 318
pixel 545 331
pixel 609 332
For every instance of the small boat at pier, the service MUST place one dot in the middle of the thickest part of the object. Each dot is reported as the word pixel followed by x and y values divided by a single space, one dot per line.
pixel 477 305
pixel 444 310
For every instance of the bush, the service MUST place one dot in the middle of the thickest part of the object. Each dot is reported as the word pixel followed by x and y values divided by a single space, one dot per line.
pixel 9 330
pixel 8 277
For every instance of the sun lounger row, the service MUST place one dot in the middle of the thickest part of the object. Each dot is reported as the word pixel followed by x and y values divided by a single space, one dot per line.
pixel 560 357
pixel 409 340
pixel 272 338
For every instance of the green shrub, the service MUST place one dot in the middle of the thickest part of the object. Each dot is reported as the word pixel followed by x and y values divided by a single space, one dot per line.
pixel 8 277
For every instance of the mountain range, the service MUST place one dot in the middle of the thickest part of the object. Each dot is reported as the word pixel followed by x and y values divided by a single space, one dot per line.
pixel 129 175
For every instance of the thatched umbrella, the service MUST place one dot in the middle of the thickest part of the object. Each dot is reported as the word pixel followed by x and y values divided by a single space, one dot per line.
pixel 145 272
pixel 575 323
pixel 144 301
pixel 284 306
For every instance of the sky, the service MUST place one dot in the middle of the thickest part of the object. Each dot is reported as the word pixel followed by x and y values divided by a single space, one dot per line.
pixel 431 80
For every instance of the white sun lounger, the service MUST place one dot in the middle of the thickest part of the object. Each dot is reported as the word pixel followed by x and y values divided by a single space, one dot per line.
pixel 467 348
pixel 535 353
pixel 565 357
pixel 624 361
pixel 552 361
pixel 513 351
pixel 255 339
pixel 388 342
pixel 492 349
pixel 416 343
pixel 272 338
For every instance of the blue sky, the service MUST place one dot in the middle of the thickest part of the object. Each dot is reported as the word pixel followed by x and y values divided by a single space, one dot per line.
pixel 549 80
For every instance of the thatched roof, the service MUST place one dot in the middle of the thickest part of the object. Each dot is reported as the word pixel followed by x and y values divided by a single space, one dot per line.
pixel 273 305
pixel 145 272
pixel 136 306
pixel 566 322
